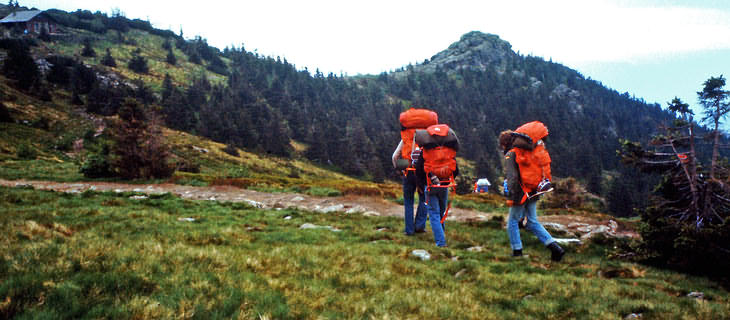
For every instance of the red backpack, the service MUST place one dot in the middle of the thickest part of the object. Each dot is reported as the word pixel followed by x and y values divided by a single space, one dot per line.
pixel 411 120
pixel 440 145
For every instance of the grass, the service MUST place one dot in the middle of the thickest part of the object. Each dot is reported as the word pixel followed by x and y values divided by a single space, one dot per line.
pixel 105 255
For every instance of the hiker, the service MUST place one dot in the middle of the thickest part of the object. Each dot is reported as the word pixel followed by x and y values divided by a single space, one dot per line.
pixel 527 169
pixel 404 158
pixel 482 185
pixel 435 170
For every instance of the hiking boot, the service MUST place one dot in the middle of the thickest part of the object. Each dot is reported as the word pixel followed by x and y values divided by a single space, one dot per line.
pixel 420 230
pixel 517 254
pixel 557 251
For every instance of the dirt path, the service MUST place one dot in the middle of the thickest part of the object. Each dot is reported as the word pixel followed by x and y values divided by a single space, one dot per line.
pixel 349 204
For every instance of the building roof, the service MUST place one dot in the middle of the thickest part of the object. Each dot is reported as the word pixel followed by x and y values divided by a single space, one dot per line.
pixel 21 16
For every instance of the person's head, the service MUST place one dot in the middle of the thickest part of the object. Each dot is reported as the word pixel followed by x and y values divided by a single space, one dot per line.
pixel 505 140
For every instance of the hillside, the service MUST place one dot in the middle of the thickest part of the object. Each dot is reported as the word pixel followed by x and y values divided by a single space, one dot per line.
pixel 478 85
pixel 282 203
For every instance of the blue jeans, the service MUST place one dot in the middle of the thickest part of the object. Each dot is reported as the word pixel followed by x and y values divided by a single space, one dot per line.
pixel 437 198
pixel 409 187
pixel 528 210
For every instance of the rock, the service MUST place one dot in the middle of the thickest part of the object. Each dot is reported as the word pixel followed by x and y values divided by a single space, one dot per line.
pixel 254 204
pixel 201 150
pixel 613 225
pixel 633 316
pixel 696 295
pixel 567 241
pixel 297 199
pixel 355 209
pixel 287 218
pixel 314 226
pixel 186 219
pixel 460 273
pixel 332 208
pixel 574 225
pixel 138 197
pixel 138 190
pixel 475 249
pixel 556 226
pixel 421 254
pixel 381 229
pixel 528 297
pixel 371 214
pixel 597 230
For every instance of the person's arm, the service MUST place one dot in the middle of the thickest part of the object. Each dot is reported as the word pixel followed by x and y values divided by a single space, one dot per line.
pixel 512 173
pixel 420 172
pixel 396 153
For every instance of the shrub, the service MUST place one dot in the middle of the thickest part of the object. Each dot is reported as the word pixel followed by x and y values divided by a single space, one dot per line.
pixel 138 63
pixel 88 50
pixel 26 152
pixel 108 59
pixel 139 151
pixel 5 113
pixel 19 66
pixel 231 150
pixel 171 59
pixel 97 166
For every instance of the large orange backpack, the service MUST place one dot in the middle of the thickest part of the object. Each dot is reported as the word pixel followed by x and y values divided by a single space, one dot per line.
pixel 440 145
pixel 534 165
pixel 411 120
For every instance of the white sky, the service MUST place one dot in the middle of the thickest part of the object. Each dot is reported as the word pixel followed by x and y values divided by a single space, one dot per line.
pixel 627 45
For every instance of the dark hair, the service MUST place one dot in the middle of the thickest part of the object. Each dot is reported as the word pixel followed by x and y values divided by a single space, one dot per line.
pixel 506 139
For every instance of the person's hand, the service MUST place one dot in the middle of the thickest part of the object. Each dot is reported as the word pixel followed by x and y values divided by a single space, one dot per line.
pixel 435 180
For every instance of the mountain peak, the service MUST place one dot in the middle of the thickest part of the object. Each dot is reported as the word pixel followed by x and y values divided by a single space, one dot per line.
pixel 475 50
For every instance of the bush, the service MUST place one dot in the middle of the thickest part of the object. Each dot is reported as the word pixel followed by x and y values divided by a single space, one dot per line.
pixel 19 66
pixel 5 113
pixel 97 166
pixel 231 150
pixel 88 50
pixel 138 63
pixel 171 59
pixel 108 59
pixel 26 152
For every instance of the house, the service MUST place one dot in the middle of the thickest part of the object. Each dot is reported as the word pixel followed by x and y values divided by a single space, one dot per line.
pixel 31 21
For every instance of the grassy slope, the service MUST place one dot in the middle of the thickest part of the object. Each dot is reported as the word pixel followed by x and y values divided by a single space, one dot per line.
pixel 97 255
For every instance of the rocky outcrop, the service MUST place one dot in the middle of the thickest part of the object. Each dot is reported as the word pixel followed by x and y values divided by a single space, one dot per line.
pixel 475 50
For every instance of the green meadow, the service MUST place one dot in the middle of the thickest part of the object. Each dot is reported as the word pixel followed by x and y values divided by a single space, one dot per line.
pixel 108 255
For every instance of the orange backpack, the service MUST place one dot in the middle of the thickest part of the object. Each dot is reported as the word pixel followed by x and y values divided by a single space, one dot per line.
pixel 411 120
pixel 439 144
pixel 534 165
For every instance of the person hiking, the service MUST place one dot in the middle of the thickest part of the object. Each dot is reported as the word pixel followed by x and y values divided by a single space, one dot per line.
pixel 404 159
pixel 435 171
pixel 527 169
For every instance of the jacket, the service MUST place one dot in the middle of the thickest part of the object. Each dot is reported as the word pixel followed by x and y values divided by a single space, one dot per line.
pixel 529 151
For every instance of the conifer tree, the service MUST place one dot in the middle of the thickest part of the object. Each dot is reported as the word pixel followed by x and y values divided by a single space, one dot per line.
pixel 88 50
pixel 138 63
pixel 108 59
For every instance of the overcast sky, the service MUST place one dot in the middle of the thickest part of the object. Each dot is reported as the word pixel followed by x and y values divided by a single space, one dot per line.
pixel 653 49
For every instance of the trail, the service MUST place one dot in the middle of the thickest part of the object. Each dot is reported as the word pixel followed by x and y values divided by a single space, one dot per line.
pixel 370 206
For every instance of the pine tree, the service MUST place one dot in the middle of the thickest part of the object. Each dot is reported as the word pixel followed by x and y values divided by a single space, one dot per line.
pixel 138 63
pixel 171 59
pixel 108 59
pixel 88 50
pixel 139 151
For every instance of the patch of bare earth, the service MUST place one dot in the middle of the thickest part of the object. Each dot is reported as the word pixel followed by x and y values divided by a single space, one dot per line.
pixel 349 204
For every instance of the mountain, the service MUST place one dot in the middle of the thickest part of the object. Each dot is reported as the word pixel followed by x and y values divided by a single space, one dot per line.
pixel 479 86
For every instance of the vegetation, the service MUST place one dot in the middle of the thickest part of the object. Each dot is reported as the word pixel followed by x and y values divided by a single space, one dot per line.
pixel 106 255
pixel 687 224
